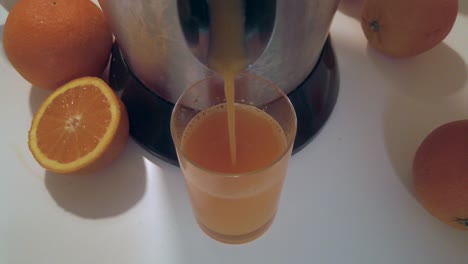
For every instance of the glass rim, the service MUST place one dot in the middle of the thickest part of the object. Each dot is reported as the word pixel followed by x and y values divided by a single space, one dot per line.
pixel 289 145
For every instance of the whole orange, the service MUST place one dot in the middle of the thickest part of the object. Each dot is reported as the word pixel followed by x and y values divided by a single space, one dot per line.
pixel 50 42
pixel 403 28
pixel 440 173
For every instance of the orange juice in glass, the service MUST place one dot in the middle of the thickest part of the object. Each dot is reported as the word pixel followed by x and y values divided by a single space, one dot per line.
pixel 234 200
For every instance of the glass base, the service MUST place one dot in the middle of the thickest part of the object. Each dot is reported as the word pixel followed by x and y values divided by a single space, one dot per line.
pixel 238 239
pixel 149 114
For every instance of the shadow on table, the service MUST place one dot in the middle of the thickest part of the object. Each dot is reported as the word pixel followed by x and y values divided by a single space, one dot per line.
pixel 8 4
pixel 106 193
pixel 36 97
pixel 428 77
pixel 2 51
pixel 420 101
pixel 463 7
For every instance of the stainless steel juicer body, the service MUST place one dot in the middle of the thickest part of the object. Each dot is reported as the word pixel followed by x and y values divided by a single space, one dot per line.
pixel 165 42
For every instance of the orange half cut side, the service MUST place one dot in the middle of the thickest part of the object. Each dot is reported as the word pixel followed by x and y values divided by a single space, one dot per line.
pixel 82 126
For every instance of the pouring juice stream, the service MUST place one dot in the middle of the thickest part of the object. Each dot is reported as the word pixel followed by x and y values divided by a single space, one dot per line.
pixel 227 54
pixel 234 209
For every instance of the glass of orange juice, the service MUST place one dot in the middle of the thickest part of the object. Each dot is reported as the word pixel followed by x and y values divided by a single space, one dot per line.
pixel 234 199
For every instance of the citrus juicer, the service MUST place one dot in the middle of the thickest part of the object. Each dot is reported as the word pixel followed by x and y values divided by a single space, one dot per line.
pixel 162 47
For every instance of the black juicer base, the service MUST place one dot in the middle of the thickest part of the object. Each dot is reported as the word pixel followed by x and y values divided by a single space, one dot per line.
pixel 149 114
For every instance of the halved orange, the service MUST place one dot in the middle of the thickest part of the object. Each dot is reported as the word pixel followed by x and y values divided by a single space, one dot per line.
pixel 80 127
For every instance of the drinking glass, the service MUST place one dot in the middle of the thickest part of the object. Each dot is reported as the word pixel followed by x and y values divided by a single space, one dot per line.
pixel 236 204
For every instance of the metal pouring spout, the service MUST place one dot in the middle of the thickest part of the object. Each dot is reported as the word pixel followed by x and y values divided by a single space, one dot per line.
pixel 257 19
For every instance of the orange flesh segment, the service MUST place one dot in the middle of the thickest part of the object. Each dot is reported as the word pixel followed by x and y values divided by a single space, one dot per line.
pixel 73 124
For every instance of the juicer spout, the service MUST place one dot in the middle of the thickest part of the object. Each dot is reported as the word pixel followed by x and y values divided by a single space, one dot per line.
pixel 206 24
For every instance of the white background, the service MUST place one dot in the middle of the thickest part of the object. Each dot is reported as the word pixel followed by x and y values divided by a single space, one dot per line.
pixel 347 197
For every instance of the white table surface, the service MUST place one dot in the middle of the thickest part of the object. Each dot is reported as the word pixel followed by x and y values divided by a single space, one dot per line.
pixel 347 197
